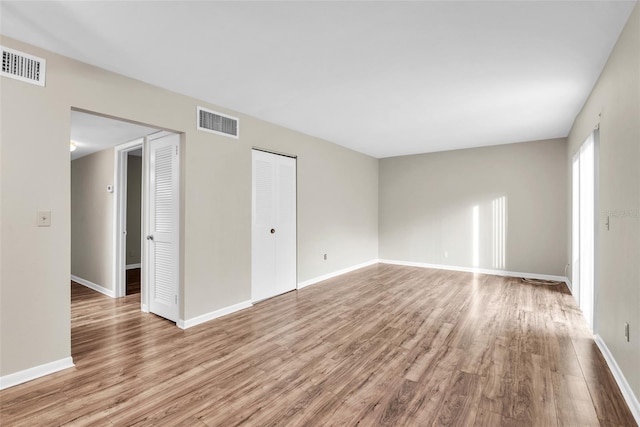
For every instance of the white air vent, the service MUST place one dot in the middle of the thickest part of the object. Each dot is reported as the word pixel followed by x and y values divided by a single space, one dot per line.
pixel 214 122
pixel 22 66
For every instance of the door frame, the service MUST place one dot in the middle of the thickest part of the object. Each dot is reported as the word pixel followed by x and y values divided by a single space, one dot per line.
pixel 120 215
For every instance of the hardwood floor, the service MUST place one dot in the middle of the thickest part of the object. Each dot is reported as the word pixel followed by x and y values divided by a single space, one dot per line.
pixel 385 345
pixel 133 281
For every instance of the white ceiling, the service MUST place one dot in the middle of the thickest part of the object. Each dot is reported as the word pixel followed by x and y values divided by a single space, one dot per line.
pixel 92 133
pixel 384 78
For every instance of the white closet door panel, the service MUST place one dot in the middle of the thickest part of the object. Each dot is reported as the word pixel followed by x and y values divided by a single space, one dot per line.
pixel 163 229
pixel 263 241
pixel 286 224
pixel 264 181
pixel 163 189
pixel 273 250
pixel 163 292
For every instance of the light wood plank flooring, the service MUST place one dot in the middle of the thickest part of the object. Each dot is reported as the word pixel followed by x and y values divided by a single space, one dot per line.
pixel 385 345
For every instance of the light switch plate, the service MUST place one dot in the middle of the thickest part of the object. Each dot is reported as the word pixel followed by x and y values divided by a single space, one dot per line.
pixel 44 219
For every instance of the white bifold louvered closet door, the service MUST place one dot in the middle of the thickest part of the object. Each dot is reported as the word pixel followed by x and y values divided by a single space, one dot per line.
pixel 162 240
pixel 273 249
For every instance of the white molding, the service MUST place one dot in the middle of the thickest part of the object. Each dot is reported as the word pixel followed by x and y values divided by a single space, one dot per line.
pixel 95 287
pixel 477 270
pixel 567 281
pixel 35 372
pixel 189 323
pixel 335 274
pixel 120 153
pixel 625 388
pixel 132 266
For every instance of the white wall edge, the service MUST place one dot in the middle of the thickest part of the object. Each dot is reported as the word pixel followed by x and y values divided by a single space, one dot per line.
pixel 35 372
pixel 132 266
pixel 625 388
pixel 189 323
pixel 335 274
pixel 477 270
pixel 95 287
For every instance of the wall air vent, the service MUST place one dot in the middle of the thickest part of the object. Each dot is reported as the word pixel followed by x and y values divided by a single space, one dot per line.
pixel 22 66
pixel 214 122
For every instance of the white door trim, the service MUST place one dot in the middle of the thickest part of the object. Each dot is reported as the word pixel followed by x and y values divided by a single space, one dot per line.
pixel 120 213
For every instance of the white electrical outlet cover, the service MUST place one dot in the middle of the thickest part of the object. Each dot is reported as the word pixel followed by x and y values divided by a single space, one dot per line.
pixel 44 219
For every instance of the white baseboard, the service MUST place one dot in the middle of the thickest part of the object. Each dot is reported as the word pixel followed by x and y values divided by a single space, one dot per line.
pixel 35 372
pixel 189 323
pixel 132 266
pixel 477 270
pixel 185 324
pixel 625 388
pixel 569 285
pixel 95 287
pixel 335 274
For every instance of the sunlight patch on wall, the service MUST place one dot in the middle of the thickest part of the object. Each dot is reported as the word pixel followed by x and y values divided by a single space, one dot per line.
pixel 475 220
pixel 499 217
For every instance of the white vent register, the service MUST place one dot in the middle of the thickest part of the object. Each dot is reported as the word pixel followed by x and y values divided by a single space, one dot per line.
pixel 214 122
pixel 22 66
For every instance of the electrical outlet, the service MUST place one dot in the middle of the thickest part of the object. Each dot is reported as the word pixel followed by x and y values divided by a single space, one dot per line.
pixel 44 219
pixel 626 331
pixel 325 257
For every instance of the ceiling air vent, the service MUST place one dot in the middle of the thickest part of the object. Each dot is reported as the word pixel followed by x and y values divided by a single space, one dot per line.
pixel 22 66
pixel 214 122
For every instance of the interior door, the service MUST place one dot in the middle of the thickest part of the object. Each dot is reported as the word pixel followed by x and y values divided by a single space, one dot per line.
pixel 285 224
pixel 273 249
pixel 163 231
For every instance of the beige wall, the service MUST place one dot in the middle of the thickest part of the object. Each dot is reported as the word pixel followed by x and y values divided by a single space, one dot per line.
pixel 92 218
pixel 427 201
pixel 134 208
pixel 337 204
pixel 35 263
pixel 616 96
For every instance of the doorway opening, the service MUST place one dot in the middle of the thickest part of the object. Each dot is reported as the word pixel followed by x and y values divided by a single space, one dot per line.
pixel 134 222
pixel 128 218
pixel 125 192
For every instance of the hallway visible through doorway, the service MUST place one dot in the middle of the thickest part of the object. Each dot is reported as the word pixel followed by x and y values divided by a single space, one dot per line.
pixel 133 281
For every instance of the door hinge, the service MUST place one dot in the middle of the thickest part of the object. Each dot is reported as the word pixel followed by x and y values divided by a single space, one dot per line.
pixel 176 150
pixel 176 299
